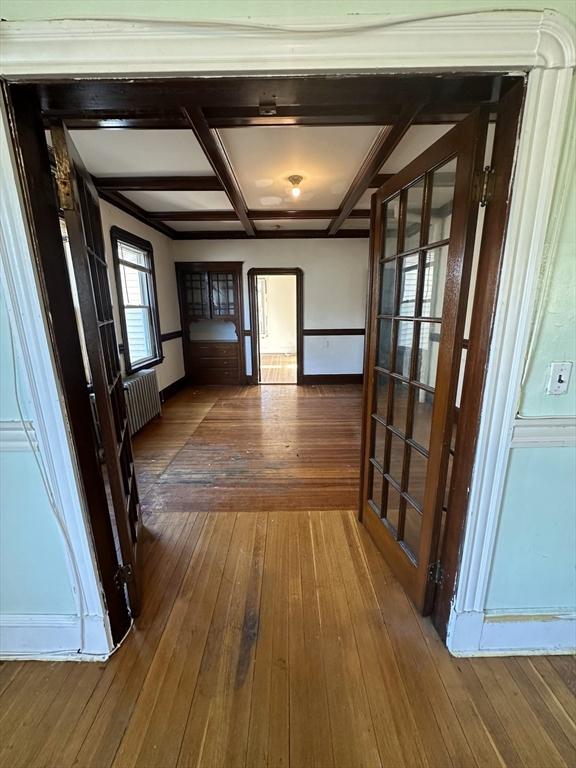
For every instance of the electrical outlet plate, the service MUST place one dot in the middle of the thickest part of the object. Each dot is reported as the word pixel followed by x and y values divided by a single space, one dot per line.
pixel 559 378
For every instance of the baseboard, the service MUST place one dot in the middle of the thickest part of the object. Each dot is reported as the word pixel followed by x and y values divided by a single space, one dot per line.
pixel 332 378
pixel 173 389
pixel 54 636
pixel 477 633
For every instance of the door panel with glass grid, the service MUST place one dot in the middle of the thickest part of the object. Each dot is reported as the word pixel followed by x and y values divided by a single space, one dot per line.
pixel 423 225
pixel 79 202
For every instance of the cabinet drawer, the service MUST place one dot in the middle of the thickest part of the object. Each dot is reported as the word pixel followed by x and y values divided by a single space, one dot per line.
pixel 202 349
pixel 215 362
pixel 215 376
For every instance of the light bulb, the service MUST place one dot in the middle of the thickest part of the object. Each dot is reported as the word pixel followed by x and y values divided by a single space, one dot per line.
pixel 295 191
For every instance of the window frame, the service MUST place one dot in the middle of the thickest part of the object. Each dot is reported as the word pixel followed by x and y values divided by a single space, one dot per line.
pixel 119 235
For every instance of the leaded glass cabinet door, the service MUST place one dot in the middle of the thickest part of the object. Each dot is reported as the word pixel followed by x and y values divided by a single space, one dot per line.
pixel 422 238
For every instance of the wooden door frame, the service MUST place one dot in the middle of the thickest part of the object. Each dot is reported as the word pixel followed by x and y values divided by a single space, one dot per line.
pixel 43 220
pixel 493 237
pixel 253 304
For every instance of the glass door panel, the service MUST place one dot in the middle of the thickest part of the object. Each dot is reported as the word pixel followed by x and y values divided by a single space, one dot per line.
pixel 418 260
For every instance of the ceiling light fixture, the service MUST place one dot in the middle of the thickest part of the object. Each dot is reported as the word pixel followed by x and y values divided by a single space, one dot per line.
pixel 295 181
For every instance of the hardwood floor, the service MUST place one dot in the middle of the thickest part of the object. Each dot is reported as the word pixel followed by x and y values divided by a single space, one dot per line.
pixel 273 633
pixel 278 368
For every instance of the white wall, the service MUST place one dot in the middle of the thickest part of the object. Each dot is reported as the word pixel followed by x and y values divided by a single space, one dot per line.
pixel 335 281
pixel 280 312
pixel 172 368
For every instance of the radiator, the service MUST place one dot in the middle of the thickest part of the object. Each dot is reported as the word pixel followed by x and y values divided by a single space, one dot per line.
pixel 142 399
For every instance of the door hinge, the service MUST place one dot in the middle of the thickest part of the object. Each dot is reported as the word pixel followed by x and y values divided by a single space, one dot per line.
pixel 484 185
pixel 435 572
pixel 123 575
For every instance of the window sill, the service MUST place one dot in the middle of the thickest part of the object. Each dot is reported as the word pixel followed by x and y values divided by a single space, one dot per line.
pixel 151 363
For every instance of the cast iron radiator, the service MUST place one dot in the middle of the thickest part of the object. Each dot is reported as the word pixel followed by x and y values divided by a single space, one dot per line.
pixel 142 399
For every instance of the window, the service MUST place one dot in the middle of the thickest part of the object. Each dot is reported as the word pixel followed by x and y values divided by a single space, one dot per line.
pixel 136 288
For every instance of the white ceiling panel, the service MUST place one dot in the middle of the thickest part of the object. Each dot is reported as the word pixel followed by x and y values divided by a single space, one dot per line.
pixel 356 224
pixel 366 200
pixel 327 158
pixel 293 224
pixel 180 201
pixel 415 141
pixel 205 226
pixel 141 153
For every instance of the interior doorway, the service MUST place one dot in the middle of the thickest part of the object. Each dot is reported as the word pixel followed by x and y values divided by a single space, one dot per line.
pixel 276 306
pixel 276 325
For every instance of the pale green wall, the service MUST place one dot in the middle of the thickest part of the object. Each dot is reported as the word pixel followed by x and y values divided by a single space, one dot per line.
pixel 285 9
pixel 534 563
pixel 34 576
pixel 534 566
pixel 554 334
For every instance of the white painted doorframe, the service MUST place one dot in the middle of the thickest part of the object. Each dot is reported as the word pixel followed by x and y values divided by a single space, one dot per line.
pixel 538 43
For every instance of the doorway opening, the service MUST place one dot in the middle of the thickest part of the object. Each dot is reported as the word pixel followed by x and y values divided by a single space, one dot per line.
pixel 276 321
pixel 276 307
pixel 428 165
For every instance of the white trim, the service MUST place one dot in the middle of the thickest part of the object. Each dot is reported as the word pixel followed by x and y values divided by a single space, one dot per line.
pixel 544 120
pixel 16 436
pixel 476 40
pixel 51 637
pixel 48 416
pixel 476 633
pixel 543 433
pixel 539 42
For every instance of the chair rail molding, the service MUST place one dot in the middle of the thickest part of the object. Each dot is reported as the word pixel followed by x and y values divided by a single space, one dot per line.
pixel 540 44
pixel 486 40
pixel 46 433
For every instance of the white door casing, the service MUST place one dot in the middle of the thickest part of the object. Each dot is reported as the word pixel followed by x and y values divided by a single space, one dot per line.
pixel 538 43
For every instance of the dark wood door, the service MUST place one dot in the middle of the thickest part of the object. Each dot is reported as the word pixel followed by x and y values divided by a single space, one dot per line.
pixel 422 239
pixel 210 295
pixel 78 201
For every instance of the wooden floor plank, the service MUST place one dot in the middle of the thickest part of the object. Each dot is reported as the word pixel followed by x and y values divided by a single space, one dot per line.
pixel 273 633
pixel 268 740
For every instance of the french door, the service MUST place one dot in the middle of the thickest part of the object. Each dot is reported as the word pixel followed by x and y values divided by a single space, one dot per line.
pixel 78 200
pixel 422 239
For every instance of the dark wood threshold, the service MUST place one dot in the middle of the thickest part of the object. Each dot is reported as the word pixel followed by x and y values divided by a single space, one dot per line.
pixel 332 378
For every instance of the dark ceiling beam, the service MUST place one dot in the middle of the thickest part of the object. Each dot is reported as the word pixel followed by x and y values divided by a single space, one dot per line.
pixel 115 198
pixel 385 144
pixel 252 215
pixel 158 183
pixel 216 156
pixel 272 234
pixel 345 114
pixel 116 97
pixel 380 179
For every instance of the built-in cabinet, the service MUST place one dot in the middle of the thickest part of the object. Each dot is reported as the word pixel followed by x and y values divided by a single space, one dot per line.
pixel 210 295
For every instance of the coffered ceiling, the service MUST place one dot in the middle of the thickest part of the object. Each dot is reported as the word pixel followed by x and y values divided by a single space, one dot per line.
pixel 220 168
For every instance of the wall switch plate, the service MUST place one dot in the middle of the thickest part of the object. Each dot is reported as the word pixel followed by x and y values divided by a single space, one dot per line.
pixel 559 378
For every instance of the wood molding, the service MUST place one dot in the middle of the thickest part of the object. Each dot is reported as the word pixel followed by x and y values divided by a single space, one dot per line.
pixel 281 234
pixel 173 388
pixel 121 202
pixel 216 156
pixel 171 335
pixel 332 378
pixel 156 183
pixel 334 332
pixel 292 215
pixel 385 144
